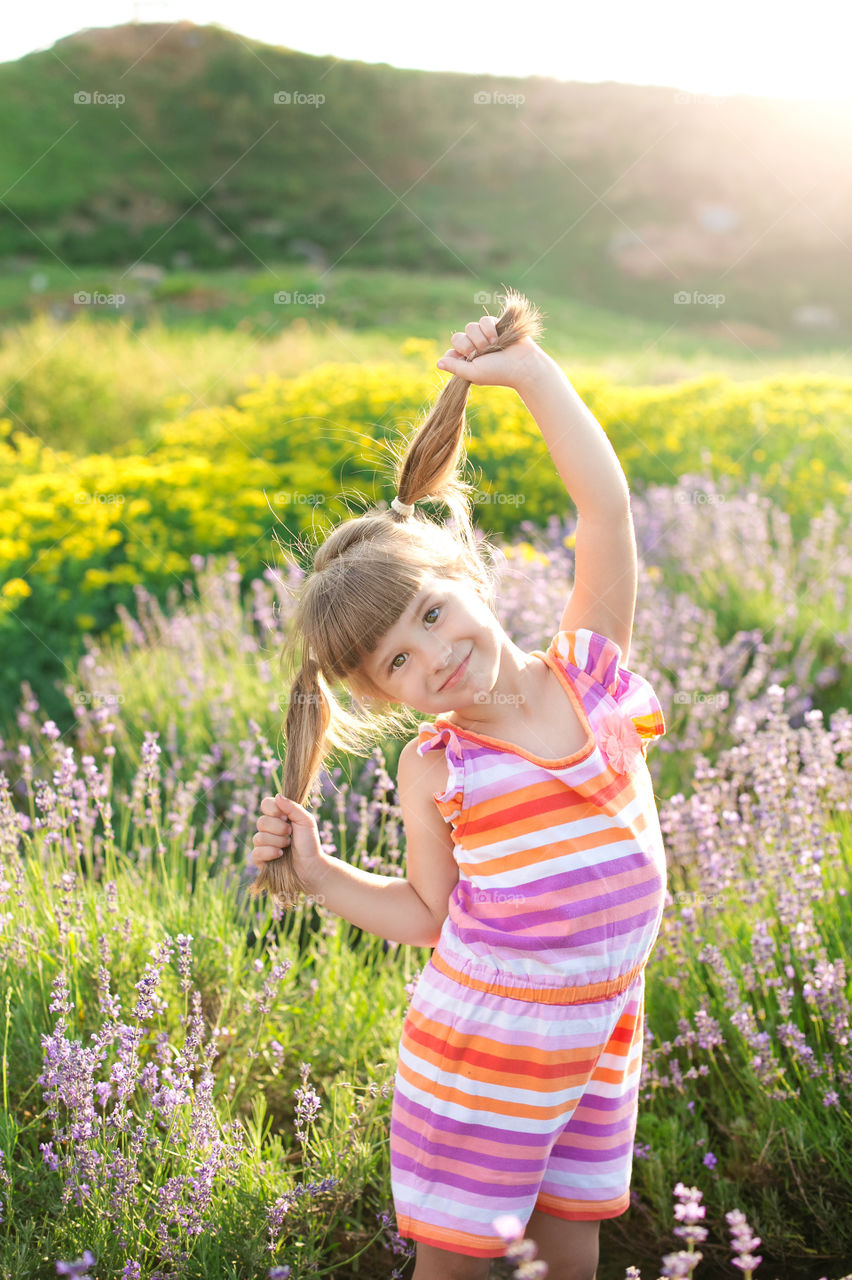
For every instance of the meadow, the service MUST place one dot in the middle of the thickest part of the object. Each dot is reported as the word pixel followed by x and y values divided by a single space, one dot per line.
pixel 196 1086
pixel 124 452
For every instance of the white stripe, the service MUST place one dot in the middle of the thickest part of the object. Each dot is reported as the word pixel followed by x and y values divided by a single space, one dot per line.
pixel 497 1121
pixel 569 968
pixel 445 1076
pixel 459 1205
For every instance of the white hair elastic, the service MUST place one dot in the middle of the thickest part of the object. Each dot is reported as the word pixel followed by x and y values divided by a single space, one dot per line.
pixel 404 508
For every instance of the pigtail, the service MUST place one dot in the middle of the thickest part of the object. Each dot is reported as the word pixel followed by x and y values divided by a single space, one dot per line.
pixel 364 574
pixel 305 730
pixel 430 468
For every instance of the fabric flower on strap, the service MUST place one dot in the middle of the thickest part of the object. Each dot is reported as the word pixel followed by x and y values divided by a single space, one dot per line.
pixel 619 741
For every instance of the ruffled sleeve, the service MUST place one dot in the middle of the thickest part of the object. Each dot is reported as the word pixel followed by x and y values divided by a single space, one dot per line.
pixel 594 660
pixel 450 802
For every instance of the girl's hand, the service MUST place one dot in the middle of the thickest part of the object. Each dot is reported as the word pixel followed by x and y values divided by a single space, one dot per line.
pixel 286 826
pixel 510 368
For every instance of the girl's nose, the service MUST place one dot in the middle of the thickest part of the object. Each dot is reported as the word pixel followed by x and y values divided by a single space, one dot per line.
pixel 444 662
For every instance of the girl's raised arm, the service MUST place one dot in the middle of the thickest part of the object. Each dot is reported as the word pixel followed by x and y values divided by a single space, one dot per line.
pixel 604 593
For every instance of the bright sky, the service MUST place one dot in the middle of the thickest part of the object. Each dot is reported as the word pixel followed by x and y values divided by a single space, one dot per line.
pixel 731 46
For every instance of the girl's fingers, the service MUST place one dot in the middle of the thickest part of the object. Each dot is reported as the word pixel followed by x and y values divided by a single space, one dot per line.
pixel 275 826
pixel 268 806
pixel 482 332
pixel 265 853
pixel 261 839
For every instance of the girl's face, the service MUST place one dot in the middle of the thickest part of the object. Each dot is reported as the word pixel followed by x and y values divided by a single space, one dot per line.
pixel 447 626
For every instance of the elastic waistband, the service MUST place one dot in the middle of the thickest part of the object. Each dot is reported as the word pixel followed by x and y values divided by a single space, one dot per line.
pixel 587 994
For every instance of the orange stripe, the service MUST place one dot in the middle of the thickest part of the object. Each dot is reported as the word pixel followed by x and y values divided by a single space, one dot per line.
pixel 492 1067
pixel 651 725
pixel 443 1237
pixel 517 818
pixel 495 1106
pixel 586 994
pixel 582 1210
pixel 535 794
pixel 610 837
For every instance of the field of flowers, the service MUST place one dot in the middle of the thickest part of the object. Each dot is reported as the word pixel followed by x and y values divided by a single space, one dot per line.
pixel 195 1087
pixel 78 532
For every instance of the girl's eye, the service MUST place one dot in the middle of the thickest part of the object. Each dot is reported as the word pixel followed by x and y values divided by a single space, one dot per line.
pixel 434 609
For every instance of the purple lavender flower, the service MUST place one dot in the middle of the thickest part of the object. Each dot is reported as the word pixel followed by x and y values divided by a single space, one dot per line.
pixel 680 1264
pixel 184 942
pixel 76 1269
pixel 690 1212
pixel 742 1242
pixel 308 1104
pixel 270 987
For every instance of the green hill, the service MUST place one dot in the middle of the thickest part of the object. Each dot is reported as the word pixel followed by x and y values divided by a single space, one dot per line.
pixel 619 195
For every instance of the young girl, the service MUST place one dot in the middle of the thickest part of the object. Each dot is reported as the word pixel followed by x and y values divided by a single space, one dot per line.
pixel 535 862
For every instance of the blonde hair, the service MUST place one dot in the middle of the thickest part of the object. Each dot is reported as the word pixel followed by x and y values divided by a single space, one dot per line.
pixel 363 577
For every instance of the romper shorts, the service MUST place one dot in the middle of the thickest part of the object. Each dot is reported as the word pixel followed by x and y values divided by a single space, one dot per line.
pixel 503 1105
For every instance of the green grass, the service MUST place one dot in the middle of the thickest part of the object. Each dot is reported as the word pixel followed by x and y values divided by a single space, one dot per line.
pixel 597 190
pixel 89 377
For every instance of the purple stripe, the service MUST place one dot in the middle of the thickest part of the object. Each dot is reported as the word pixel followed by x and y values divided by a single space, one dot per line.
pixel 516 921
pixel 469 1157
pixel 564 1154
pixel 601 1104
pixel 440 1177
pixel 581 937
pixel 479 791
pixel 450 1125
pixel 637 860
pixel 587 1128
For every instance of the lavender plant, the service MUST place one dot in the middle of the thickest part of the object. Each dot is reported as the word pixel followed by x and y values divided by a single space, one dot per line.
pixel 233 1120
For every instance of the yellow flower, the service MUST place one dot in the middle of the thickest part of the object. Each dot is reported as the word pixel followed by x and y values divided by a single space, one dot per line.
pixel 16 589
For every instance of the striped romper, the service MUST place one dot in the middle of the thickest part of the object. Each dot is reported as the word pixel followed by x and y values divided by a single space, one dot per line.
pixel 518 1074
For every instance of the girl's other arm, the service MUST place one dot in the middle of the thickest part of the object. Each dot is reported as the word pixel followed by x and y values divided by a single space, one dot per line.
pixel 410 910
